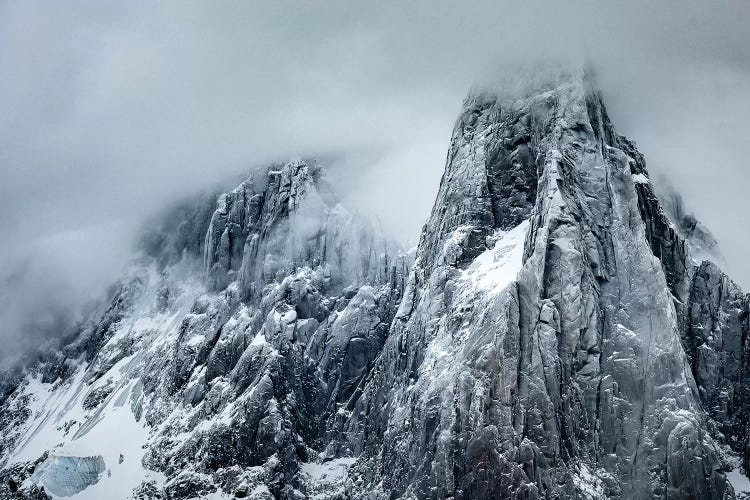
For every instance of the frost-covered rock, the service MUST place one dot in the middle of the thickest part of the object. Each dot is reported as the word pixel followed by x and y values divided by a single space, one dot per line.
pixel 577 364
pixel 221 357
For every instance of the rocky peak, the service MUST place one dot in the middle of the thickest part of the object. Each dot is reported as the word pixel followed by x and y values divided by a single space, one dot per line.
pixel 244 327
pixel 284 218
pixel 555 337
pixel 501 143
pixel 571 379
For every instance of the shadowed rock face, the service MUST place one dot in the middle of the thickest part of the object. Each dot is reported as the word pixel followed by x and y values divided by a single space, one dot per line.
pixel 555 337
pixel 716 344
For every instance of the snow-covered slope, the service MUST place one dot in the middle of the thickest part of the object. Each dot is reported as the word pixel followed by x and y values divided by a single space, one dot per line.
pixel 557 336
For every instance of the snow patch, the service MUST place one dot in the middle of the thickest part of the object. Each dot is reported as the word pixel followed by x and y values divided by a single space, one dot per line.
pixel 332 470
pixel 640 179
pixel 588 483
pixel 739 481
pixel 92 455
pixel 259 339
pixel 326 479
pixel 496 268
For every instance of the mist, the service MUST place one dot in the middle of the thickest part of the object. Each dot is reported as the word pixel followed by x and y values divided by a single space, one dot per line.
pixel 109 111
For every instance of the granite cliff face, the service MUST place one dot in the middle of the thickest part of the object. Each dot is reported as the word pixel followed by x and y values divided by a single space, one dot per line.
pixel 556 335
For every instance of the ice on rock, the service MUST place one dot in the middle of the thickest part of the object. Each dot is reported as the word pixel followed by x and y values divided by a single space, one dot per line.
pixel 65 476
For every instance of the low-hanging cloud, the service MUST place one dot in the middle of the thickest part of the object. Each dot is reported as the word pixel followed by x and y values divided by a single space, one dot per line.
pixel 111 110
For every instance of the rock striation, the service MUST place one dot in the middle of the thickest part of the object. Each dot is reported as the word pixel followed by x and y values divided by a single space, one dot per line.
pixel 559 333
pixel 574 377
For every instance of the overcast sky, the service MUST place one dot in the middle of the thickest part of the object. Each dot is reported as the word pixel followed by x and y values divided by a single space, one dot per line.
pixel 109 110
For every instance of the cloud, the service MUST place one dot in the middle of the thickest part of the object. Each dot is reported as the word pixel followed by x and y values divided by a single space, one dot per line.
pixel 111 110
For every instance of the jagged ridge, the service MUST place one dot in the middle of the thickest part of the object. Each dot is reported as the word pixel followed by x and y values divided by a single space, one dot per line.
pixel 233 384
pixel 556 336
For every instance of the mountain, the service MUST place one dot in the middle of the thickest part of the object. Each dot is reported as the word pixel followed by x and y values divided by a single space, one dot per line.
pixel 558 334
